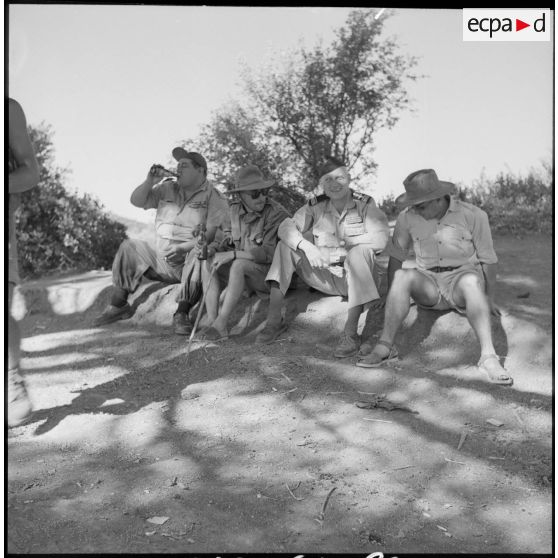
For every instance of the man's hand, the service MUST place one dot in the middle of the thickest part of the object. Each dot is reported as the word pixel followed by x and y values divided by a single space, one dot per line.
pixel 222 258
pixel 176 255
pixel 494 310
pixel 157 173
pixel 315 257
pixel 378 303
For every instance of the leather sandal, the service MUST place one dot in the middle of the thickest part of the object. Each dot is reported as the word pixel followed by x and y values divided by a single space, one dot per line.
pixel 372 360
pixel 502 378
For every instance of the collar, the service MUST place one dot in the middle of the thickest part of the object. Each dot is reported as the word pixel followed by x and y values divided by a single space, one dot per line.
pixel 189 193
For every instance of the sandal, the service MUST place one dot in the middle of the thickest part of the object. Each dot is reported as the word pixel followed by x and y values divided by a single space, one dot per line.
pixel 373 359
pixel 501 378
pixel 213 334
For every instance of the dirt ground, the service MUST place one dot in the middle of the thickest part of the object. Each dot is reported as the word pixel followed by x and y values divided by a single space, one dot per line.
pixel 262 449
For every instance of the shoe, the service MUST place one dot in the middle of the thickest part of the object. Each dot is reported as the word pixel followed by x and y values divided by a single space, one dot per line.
pixel 182 324
pixel 497 375
pixel 113 314
pixel 270 333
pixel 374 360
pixel 19 405
pixel 347 347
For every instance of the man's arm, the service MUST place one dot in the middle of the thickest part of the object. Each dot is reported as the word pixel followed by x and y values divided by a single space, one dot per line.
pixel 140 195
pixel 26 176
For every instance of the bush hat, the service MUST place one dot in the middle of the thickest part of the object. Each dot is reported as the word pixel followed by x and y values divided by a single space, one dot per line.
pixel 421 186
pixel 250 177
pixel 330 164
pixel 181 153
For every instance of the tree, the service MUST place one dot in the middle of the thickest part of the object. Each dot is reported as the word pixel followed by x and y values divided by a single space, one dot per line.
pixel 332 100
pixel 58 230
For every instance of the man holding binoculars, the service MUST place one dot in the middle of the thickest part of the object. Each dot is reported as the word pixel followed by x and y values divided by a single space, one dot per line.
pixel 187 205
pixel 331 243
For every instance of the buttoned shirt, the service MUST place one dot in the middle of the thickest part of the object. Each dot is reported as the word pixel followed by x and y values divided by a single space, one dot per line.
pixel 360 222
pixel 179 211
pixel 462 236
pixel 253 232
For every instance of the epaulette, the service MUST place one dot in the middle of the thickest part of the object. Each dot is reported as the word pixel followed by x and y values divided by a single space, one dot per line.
pixel 361 197
pixel 317 199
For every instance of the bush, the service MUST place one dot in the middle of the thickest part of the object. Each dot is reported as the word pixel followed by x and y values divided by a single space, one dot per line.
pixel 515 204
pixel 58 230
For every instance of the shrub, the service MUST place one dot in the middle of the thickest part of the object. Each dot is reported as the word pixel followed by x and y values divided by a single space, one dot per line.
pixel 58 230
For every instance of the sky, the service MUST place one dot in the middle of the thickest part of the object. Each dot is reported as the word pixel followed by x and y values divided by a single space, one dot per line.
pixel 122 85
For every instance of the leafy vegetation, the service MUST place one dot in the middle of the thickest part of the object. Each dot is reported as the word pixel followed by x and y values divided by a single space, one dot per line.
pixel 58 230
pixel 515 204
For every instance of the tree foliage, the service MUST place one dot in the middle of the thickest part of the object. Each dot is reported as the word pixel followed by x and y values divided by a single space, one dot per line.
pixel 58 230
pixel 327 100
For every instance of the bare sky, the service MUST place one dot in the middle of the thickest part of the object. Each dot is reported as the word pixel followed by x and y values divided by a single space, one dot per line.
pixel 121 85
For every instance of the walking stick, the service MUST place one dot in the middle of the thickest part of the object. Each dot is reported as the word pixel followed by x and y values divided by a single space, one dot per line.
pixel 200 310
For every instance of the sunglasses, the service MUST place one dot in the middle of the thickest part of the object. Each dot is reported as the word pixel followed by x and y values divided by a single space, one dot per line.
pixel 255 194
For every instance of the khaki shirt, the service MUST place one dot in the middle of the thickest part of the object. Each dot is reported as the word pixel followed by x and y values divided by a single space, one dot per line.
pixel 180 212
pixel 360 222
pixel 255 233
pixel 461 236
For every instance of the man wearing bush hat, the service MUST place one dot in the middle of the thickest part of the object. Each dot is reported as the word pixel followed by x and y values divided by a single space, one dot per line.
pixel 185 205
pixel 455 267
pixel 251 231
pixel 332 243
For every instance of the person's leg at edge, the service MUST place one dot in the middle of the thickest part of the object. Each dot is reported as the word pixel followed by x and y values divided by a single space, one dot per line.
pixel 406 283
pixel 19 405
pixel 469 293
pixel 213 293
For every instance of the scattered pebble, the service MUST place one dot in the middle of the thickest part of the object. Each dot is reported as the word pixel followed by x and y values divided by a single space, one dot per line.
pixel 494 422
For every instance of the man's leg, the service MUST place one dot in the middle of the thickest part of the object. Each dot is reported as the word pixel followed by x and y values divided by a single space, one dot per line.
pixel 19 406
pixel 212 288
pixel 278 278
pixel 469 293
pixel 361 288
pixel 406 283
pixel 242 273
pixel 133 259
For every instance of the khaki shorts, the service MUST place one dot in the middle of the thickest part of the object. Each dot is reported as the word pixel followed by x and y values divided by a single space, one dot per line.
pixel 445 283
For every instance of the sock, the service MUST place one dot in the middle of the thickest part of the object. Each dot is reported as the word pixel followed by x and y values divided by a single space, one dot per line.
pixel 119 297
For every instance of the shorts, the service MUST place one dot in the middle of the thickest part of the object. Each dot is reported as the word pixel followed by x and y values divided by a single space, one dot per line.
pixel 445 283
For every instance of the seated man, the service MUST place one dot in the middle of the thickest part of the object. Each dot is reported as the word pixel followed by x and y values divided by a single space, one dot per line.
pixel 331 243
pixel 185 205
pixel 251 227
pixel 455 267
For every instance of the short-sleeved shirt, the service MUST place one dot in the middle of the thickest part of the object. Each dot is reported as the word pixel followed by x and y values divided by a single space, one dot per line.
pixel 253 232
pixel 179 212
pixel 462 236
pixel 360 222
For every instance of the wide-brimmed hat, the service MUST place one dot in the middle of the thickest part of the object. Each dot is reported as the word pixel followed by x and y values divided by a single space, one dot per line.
pixel 330 164
pixel 422 186
pixel 250 177
pixel 181 153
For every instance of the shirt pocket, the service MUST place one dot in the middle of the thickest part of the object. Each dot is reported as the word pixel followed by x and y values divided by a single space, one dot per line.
pixel 424 245
pixel 457 238
pixel 325 233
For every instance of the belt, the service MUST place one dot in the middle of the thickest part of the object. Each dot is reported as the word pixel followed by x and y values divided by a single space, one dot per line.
pixel 442 269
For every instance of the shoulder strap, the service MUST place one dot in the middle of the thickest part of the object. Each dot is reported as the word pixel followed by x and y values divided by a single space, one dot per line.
pixel 317 199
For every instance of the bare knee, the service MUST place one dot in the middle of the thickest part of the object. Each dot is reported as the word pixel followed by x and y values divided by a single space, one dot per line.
pixel 469 284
